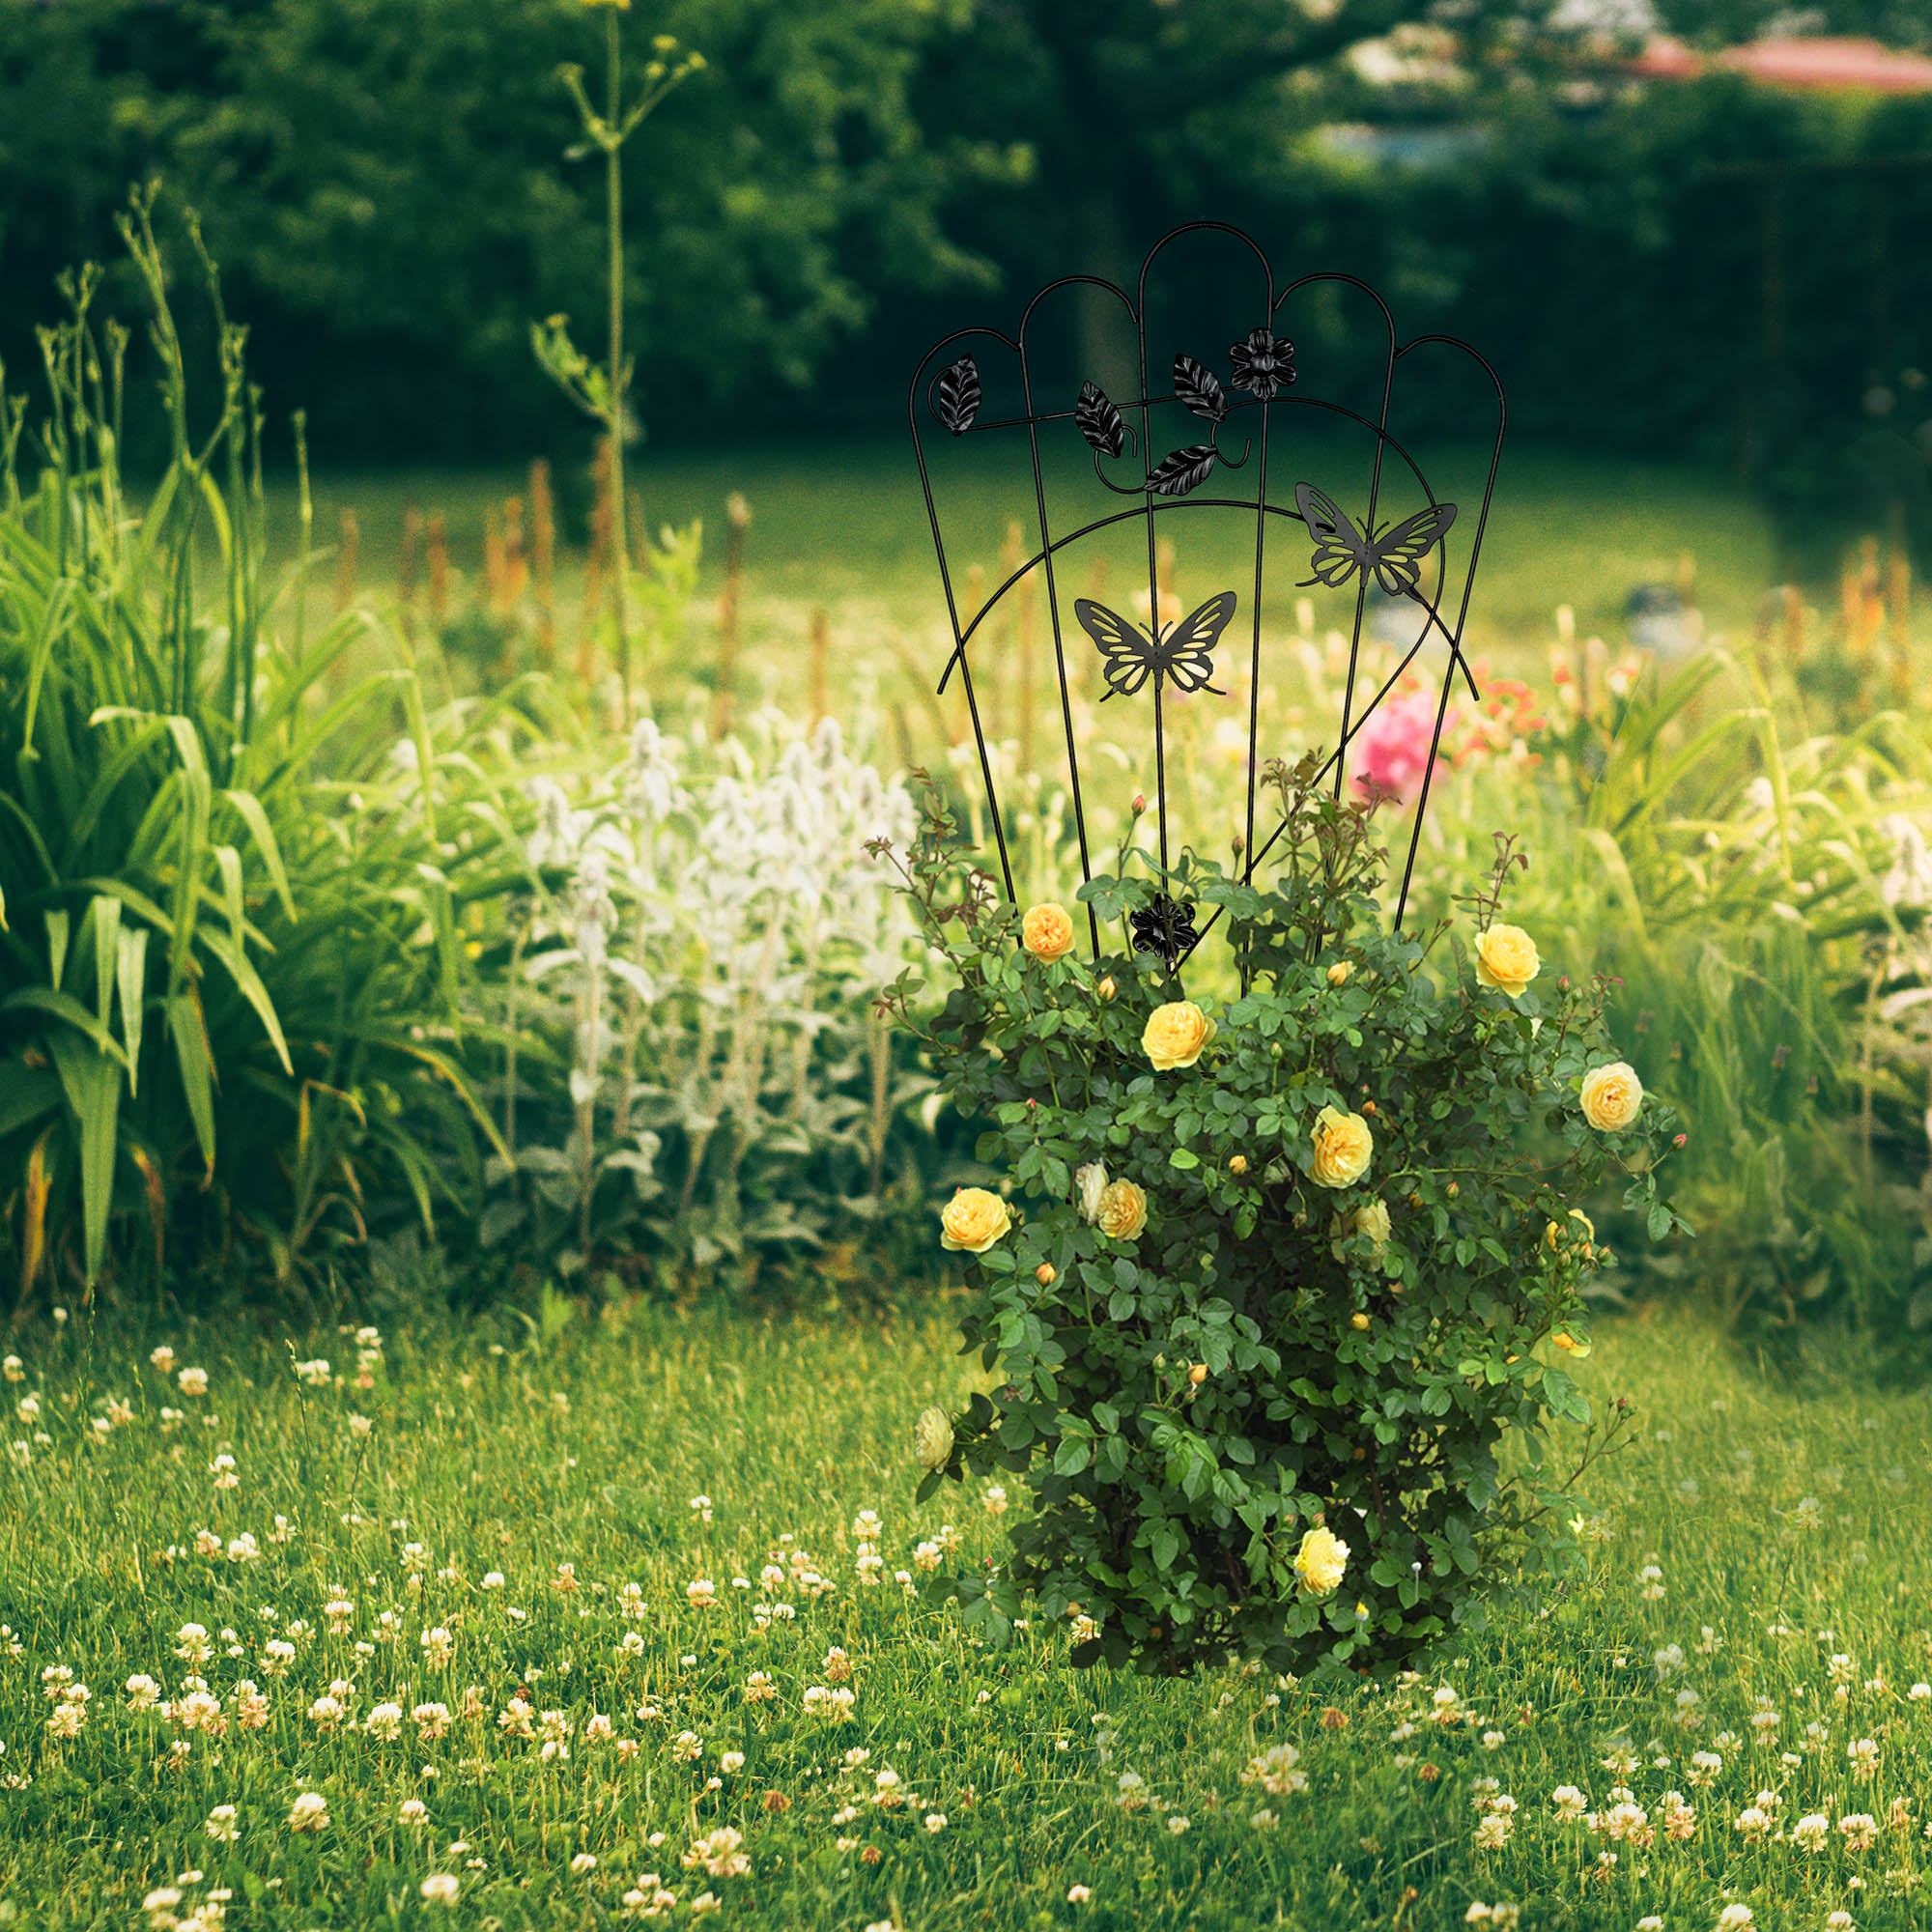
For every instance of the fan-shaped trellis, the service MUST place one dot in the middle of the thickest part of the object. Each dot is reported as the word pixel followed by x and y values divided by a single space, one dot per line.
pixel 1169 474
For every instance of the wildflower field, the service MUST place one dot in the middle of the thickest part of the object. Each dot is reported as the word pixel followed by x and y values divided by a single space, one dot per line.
pixel 609 1619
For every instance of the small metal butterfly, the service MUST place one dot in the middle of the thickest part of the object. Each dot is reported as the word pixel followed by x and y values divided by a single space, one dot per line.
pixel 1165 926
pixel 1394 557
pixel 1181 652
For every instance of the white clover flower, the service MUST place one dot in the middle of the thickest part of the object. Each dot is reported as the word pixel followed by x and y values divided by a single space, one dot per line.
pixel 1811 1833
pixel 309 1812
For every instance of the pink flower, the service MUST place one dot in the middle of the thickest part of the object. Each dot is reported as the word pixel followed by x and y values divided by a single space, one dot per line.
pixel 1391 748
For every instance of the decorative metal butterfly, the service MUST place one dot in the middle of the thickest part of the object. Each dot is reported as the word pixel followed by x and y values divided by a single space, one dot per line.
pixel 1182 651
pixel 1394 557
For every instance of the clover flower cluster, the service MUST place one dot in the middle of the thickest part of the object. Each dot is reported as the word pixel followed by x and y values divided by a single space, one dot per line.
pixel 368 1679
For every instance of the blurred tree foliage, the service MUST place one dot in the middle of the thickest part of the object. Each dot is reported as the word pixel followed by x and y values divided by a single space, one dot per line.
pixel 1712 266
pixel 385 182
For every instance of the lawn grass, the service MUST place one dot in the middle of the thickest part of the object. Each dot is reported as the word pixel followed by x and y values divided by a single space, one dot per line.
pixel 566 1454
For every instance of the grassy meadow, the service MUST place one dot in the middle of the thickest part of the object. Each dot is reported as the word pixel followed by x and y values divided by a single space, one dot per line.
pixel 594 1619
pixel 841 529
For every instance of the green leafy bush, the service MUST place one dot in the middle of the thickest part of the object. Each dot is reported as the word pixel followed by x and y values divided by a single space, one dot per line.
pixel 1277 1279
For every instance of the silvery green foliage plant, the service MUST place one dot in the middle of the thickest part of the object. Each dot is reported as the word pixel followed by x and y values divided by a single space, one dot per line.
pixel 702 1082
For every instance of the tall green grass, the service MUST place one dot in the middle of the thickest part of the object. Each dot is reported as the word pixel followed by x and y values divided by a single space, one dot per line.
pixel 1738 865
pixel 237 859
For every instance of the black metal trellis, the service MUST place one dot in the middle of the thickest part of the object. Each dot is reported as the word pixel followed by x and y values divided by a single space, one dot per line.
pixel 1261 371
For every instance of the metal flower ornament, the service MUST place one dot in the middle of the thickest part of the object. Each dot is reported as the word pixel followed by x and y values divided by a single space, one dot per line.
pixel 1160 450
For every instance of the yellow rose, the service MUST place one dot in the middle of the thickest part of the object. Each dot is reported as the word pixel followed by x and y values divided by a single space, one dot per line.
pixel 1343 1148
pixel 1321 1560
pixel 1175 1035
pixel 1373 1220
pixel 1047 932
pixel 1570 1344
pixel 1089 1183
pixel 1123 1210
pixel 1611 1097
pixel 932 1439
pixel 1506 959
pixel 973 1220
pixel 1338 974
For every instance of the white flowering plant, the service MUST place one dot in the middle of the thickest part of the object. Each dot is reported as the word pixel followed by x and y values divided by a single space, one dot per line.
pixel 699 1085
pixel 1283 1290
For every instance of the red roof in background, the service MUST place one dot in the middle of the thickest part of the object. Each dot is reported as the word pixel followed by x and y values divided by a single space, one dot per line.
pixel 1863 65
pixel 1664 58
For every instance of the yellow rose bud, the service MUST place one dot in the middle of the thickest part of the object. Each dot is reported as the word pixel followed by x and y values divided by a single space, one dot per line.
pixel 1373 1220
pixel 973 1220
pixel 1338 974
pixel 1045 1274
pixel 1106 988
pixel 1237 1163
pixel 1175 1035
pixel 1358 1320
pixel 932 1439
pixel 1047 932
pixel 1123 1210
pixel 1570 1344
pixel 1344 1146
pixel 1612 1095
pixel 1553 1235
pixel 1321 1560
pixel 1506 959
pixel 1198 1373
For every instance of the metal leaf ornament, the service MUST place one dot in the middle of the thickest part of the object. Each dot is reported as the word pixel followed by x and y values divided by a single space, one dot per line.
pixel 1184 470
pixel 958 398
pixel 1099 421
pixel 1200 388
pixel 1165 927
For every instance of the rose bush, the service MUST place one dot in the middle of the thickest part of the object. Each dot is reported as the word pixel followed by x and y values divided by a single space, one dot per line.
pixel 1275 1286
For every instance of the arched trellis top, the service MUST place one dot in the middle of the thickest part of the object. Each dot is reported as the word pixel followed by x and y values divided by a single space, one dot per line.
pixel 1261 368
